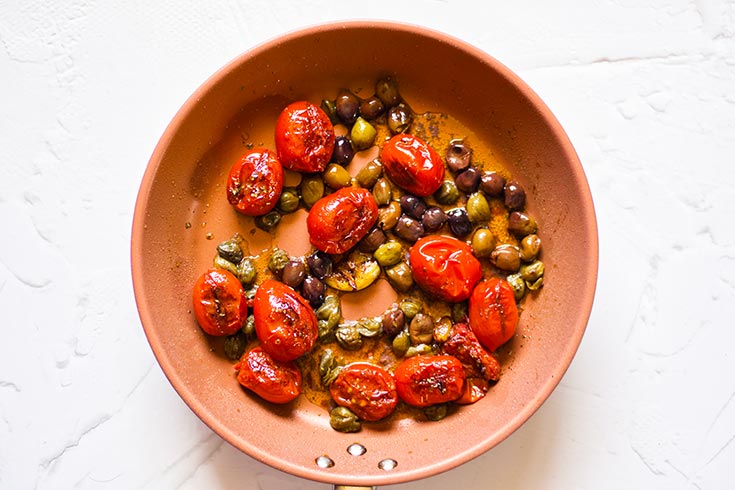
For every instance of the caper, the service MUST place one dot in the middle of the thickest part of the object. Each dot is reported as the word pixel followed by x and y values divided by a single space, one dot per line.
pixel 342 419
pixel 459 155
pixel 348 337
pixel 246 271
pixel 372 108
pixel 369 174
pixel 483 242
pixel 530 246
pixel 400 276
pixel 234 345
pixel 518 284
pixel 537 284
pixel 387 91
pixel 343 152
pixel 459 222
pixel 389 253
pixel 320 264
pixel 459 312
pixel 492 184
pixel 388 216
pixel 410 307
pixel 268 221
pixel 419 350
pixel 225 264
pixel 514 195
pixel 372 241
pixel 421 329
pixel 312 189
pixel 506 257
pixel 289 201
pixel 348 107
pixel 382 192
pixel 393 320
pixel 293 272
pixel 230 250
pixel 336 177
pixel 329 369
pixel 433 219
pixel 447 193
pixel 532 271
pixel 369 327
pixel 324 332
pixel 249 328
pixel 413 206
pixel 400 118
pixel 330 311
pixel 250 293
pixel 468 181
pixel 362 134
pixel 408 228
pixel 312 289
pixel 521 224
pixel 436 412
pixel 401 343
pixel 277 261
pixel 330 109
pixel 442 329
pixel 478 208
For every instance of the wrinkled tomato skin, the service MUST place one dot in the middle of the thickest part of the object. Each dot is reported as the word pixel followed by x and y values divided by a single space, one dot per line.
pixel 368 390
pixel 445 267
pixel 474 390
pixel 255 182
pixel 422 381
pixel 219 301
pixel 304 137
pixel 492 313
pixel 285 324
pixel 274 381
pixel 477 362
pixel 338 221
pixel 412 164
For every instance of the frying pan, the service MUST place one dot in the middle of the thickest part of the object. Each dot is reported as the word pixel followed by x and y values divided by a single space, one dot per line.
pixel 181 214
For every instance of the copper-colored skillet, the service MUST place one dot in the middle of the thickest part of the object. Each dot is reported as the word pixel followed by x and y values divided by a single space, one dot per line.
pixel 182 213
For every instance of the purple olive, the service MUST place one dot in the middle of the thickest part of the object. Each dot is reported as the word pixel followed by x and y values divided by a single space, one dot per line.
pixel 312 289
pixel 413 206
pixel 408 228
pixel 433 219
pixel 459 222
pixel 320 264
pixel 459 155
pixel 343 151
pixel 468 181
pixel 515 196
pixel 492 184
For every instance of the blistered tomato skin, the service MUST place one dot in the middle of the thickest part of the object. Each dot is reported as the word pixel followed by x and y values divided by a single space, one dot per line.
pixel 493 313
pixel 285 323
pixel 445 267
pixel 277 382
pixel 255 182
pixel 422 381
pixel 338 221
pixel 304 137
pixel 478 363
pixel 219 301
pixel 412 164
pixel 368 390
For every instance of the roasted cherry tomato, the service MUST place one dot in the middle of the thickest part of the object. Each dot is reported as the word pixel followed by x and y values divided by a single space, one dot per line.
pixel 412 164
pixel 474 389
pixel 493 313
pixel 277 382
pixel 445 267
pixel 422 381
pixel 368 390
pixel 477 362
pixel 284 322
pixel 220 306
pixel 255 182
pixel 304 137
pixel 338 221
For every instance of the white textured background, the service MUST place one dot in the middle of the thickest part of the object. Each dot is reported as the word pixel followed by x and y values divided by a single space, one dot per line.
pixel 646 91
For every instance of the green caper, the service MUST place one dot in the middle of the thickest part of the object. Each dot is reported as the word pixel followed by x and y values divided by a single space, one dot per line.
pixel 442 329
pixel 369 327
pixel 478 208
pixel 459 312
pixel 382 192
pixel 369 174
pixel 518 285
pixel 325 333
pixel 348 337
pixel 246 271
pixel 388 216
pixel 447 193
pixel 330 311
pixel 249 327
pixel 343 419
pixel 389 253
pixel 436 412
pixel 234 345
pixel 530 246
pixel 532 271
pixel 400 276
pixel 289 201
pixel 506 257
pixel 336 177
pixel 225 264
pixel 401 343
pixel 483 242
pixel 268 221
pixel 330 109
pixel 410 307
pixel 537 284
pixel 312 189
pixel 329 369
pixel 230 250
pixel 419 350
pixel 362 134
pixel 278 260
pixel 399 118
pixel 250 293
pixel 421 329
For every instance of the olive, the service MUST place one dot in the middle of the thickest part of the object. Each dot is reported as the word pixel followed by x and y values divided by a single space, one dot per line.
pixel 312 189
pixel 369 327
pixel 221 263
pixel 492 184
pixel 348 107
pixel 530 246
pixel 268 221
pixel 514 196
pixel 408 228
pixel 521 224
pixel 230 250
pixel 401 343
pixel 442 329
pixel 348 337
pixel 413 206
pixel 289 201
pixel 411 307
pixel 419 350
pixel 294 272
pixel 372 241
pixel 447 193
pixel 277 261
pixel 246 271
pixel 330 109
pixel 387 91
pixel 400 276
pixel 478 209
pixel 342 419
pixel 459 155
pixel 436 412
pixel 369 174
pixel 389 253
pixel 320 264
pixel 532 271
pixel 382 192
pixel 343 152
pixel 234 345
pixel 468 181
pixel 518 284
pixel 388 216
pixel 421 329
pixel 506 257
pixel 400 118
pixel 372 108
pixel 362 134
pixel 459 312
pixel 393 321
pixel 312 289
pixel 336 177
pixel 459 222
pixel 433 219
pixel 483 242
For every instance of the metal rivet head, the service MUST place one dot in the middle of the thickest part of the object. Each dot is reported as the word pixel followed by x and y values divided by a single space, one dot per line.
pixel 356 449
pixel 324 461
pixel 387 464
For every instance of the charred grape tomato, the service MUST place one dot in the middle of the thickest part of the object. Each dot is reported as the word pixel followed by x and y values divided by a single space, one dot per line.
pixel 477 362
pixel 220 305
pixel 445 267
pixel 304 137
pixel 284 322
pixel 368 390
pixel 474 389
pixel 255 182
pixel 423 381
pixel 412 164
pixel 277 382
pixel 338 221
pixel 493 313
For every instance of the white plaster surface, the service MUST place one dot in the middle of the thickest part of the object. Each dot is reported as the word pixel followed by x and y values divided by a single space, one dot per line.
pixel 646 91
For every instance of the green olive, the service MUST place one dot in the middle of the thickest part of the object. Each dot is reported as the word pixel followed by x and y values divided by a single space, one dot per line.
pixel 436 412
pixel 289 201
pixel 336 177
pixel 369 327
pixel 230 250
pixel 342 419
pixel 234 345
pixel 532 271
pixel 369 174
pixel 355 273
pixel 518 285
pixel 419 350
pixel 389 253
pixel 421 329
pixel 348 337
pixel 312 189
pixel 459 312
pixel 382 192
pixel 401 343
pixel 278 260
pixel 478 208
pixel 388 216
pixel 411 307
pixel 246 271
pixel 447 193
pixel 268 221
pixel 362 134
pixel 400 276
pixel 530 246
pixel 225 264
pixel 483 242
pixel 506 257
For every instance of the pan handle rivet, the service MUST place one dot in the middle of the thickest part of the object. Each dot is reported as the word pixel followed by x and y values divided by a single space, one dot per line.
pixel 356 449
pixel 387 464
pixel 324 462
